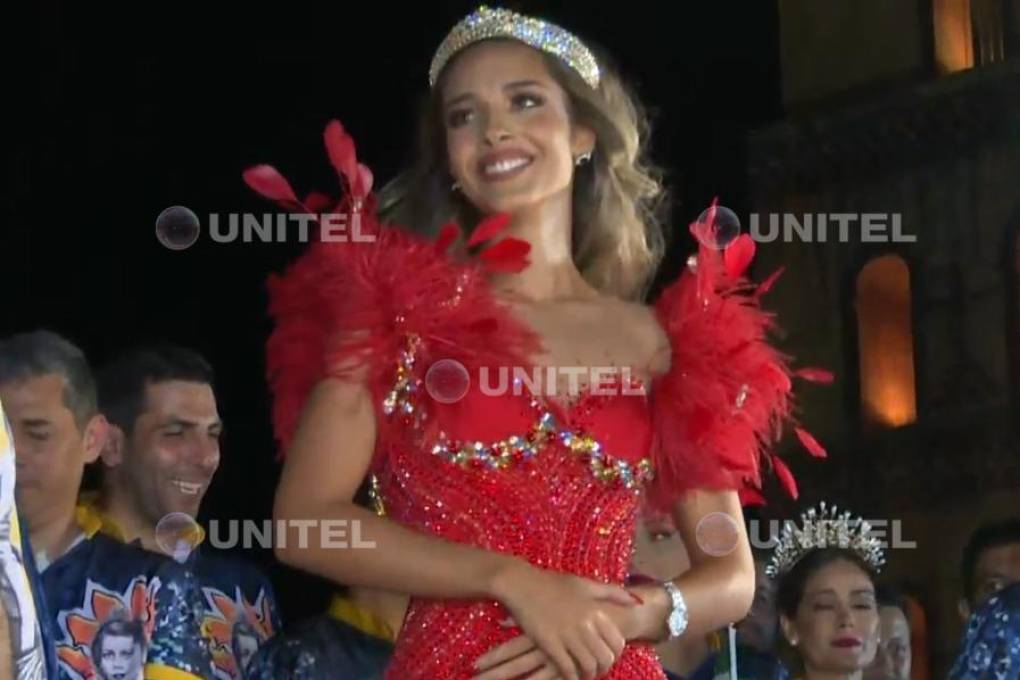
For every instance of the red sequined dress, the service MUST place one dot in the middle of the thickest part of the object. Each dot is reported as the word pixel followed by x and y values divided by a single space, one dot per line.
pixel 556 483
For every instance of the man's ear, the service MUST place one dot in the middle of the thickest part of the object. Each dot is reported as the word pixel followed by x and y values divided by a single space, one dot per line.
pixel 963 608
pixel 112 453
pixel 97 432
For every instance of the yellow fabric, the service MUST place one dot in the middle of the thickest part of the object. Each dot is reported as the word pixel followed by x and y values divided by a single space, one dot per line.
pixel 91 518
pixel 88 520
pixel 343 609
pixel 157 671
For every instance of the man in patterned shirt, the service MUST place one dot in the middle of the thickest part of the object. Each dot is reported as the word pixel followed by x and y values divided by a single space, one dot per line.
pixel 87 578
pixel 161 457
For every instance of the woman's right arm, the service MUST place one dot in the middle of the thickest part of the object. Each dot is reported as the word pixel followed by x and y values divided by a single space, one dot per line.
pixel 330 456
pixel 327 461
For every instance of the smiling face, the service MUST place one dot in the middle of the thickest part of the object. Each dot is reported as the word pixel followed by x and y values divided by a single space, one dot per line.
pixel 510 140
pixel 173 449
pixel 835 628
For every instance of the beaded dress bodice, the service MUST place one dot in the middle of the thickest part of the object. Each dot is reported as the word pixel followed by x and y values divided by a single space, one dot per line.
pixel 557 485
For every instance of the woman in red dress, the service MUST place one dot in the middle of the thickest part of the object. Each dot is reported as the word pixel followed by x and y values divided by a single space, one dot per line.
pixel 510 505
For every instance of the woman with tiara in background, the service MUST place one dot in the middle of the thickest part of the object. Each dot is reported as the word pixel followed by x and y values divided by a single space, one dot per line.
pixel 826 571
pixel 510 505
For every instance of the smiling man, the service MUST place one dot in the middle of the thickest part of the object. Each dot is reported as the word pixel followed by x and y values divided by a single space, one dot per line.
pixel 159 461
pixel 49 395
pixel 165 446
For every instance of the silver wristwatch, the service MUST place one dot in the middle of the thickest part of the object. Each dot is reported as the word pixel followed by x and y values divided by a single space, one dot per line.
pixel 677 621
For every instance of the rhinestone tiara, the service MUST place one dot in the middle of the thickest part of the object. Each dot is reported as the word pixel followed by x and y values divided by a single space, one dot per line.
pixel 486 23
pixel 820 528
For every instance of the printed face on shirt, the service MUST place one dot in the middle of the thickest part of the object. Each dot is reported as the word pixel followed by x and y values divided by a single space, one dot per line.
pixel 173 450
pixel 120 658
pixel 51 449
pixel 510 140
pixel 836 623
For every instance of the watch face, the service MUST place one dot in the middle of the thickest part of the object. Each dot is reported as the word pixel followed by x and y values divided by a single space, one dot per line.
pixel 676 623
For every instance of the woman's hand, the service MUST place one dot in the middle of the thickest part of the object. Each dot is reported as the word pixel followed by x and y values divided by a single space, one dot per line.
pixel 564 621
pixel 521 655
pixel 514 659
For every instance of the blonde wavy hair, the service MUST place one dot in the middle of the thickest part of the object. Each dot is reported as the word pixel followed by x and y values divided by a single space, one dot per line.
pixel 618 197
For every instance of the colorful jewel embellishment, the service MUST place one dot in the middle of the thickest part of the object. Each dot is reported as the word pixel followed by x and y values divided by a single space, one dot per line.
pixel 499 455
pixel 400 398
pixel 604 467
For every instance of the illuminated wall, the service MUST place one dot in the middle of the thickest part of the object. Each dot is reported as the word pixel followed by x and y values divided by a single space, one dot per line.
pixel 886 343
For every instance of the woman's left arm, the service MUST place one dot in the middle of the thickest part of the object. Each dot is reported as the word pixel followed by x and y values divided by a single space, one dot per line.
pixel 719 587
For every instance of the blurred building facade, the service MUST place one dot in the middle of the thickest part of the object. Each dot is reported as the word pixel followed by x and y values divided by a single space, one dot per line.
pixel 904 114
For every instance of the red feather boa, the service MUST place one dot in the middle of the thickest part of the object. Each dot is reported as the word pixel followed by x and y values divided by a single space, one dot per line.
pixel 716 413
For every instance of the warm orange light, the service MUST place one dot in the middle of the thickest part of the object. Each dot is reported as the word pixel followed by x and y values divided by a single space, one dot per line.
pixel 886 342
pixel 954 42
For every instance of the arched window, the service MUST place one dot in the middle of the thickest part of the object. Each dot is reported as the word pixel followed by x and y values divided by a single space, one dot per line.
pixel 967 33
pixel 954 38
pixel 885 343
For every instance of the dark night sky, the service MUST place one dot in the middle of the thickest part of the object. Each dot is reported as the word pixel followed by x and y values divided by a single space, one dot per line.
pixel 119 116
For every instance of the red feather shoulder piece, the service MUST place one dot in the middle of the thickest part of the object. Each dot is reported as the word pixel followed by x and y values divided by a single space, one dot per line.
pixel 385 306
pixel 727 395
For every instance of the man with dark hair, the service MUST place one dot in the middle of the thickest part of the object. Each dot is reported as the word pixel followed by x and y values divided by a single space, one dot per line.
pixel 50 398
pixel 164 448
pixel 991 561
pixel 161 456
pixel 892 661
